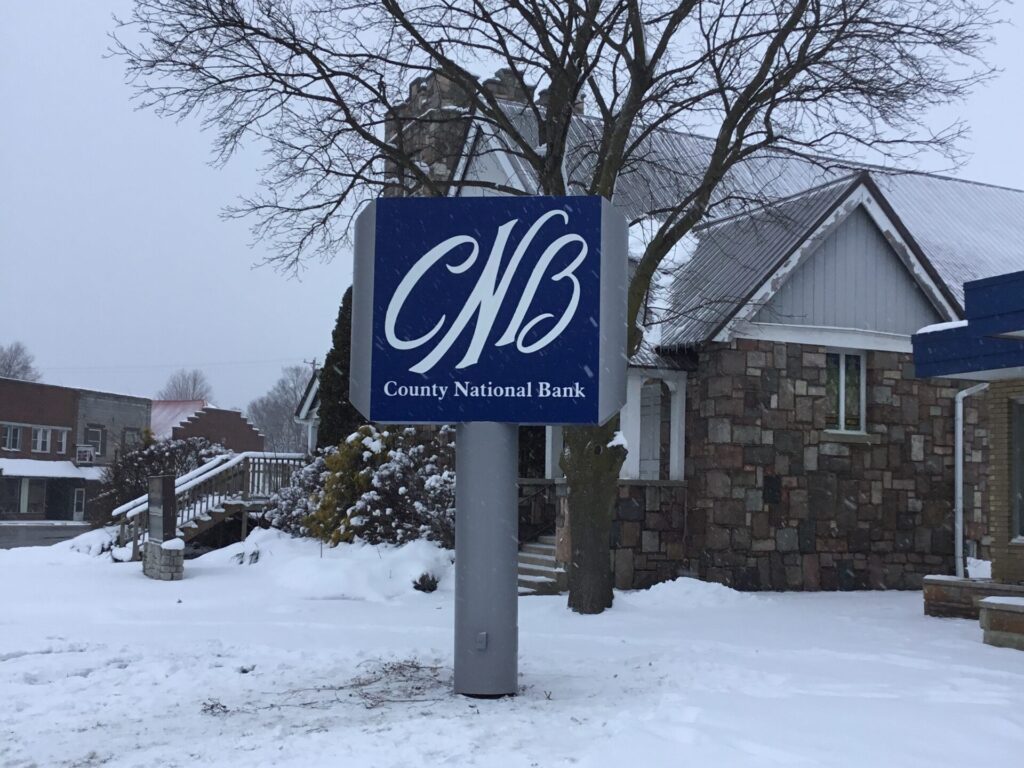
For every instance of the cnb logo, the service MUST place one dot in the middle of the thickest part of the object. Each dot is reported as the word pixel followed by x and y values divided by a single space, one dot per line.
pixel 481 307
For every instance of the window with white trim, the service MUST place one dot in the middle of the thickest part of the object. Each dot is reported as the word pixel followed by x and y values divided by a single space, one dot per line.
pixel 40 440
pixel 94 436
pixel 845 391
pixel 62 441
pixel 10 437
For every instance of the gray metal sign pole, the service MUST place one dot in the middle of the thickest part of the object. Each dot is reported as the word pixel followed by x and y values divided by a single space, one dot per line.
pixel 486 559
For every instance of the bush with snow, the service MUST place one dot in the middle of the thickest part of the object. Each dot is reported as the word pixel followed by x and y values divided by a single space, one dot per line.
pixel 389 487
pixel 292 505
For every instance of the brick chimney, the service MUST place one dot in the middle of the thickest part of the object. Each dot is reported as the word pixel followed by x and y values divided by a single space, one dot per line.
pixel 433 123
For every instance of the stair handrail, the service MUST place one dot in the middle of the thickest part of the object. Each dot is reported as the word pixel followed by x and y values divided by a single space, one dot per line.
pixel 143 501
pixel 189 480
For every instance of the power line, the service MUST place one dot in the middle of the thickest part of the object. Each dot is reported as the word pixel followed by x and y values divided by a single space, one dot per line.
pixel 152 366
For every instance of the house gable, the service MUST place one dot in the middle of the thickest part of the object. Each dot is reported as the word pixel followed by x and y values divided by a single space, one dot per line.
pixel 746 323
pixel 853 279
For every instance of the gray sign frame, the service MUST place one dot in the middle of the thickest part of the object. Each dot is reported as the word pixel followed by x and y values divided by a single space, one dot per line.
pixel 612 362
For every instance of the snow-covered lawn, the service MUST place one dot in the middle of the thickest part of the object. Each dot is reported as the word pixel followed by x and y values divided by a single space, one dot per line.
pixel 301 661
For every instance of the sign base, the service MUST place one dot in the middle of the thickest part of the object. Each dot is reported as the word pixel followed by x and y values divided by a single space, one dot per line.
pixel 486 559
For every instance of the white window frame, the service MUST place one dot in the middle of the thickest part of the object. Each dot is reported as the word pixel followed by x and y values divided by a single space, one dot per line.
pixel 10 438
pixel 41 439
pixel 62 441
pixel 97 449
pixel 78 510
pixel 843 354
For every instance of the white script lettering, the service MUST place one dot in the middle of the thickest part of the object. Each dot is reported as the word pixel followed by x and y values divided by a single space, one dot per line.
pixel 488 295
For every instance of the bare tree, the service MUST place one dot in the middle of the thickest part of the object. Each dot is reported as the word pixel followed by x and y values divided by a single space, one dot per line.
pixel 324 85
pixel 273 413
pixel 186 385
pixel 16 362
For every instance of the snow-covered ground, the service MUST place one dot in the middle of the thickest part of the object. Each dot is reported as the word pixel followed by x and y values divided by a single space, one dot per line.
pixel 298 660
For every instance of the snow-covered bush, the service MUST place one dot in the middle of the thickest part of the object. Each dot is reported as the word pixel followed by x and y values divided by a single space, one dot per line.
pixel 389 487
pixel 292 505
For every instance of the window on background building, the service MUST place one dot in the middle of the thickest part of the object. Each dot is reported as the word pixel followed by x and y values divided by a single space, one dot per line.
pixel 845 391
pixel 132 438
pixel 40 440
pixel 95 435
pixel 10 437
pixel 62 441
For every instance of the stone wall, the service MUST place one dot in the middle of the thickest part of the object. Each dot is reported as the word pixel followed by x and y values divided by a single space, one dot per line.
pixel 649 534
pixel 1007 554
pixel 786 504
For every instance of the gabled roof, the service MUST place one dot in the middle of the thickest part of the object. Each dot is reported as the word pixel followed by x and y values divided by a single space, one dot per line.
pixel 735 256
pixel 741 261
pixel 962 230
pixel 310 401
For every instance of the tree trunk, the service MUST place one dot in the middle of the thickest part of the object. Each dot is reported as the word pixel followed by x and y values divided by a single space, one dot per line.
pixel 592 470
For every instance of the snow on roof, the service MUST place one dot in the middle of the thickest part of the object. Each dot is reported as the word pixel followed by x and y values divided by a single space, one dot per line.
pixel 309 405
pixel 943 326
pixel 167 414
pixel 48 469
pixel 735 256
pixel 967 230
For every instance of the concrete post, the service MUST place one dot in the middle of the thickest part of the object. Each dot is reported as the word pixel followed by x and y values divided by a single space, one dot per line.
pixel 486 559
pixel 164 556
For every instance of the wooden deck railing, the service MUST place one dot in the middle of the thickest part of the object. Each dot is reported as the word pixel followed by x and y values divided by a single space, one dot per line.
pixel 245 478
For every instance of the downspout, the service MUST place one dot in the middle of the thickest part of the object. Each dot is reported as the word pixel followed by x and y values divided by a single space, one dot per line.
pixel 958 460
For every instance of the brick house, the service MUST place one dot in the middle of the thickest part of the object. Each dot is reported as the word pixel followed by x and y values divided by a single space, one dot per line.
pixel 779 436
pixel 54 443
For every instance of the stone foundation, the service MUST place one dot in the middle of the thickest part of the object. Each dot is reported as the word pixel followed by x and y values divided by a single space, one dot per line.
pixel 787 504
pixel 950 597
pixel 162 563
pixel 1002 620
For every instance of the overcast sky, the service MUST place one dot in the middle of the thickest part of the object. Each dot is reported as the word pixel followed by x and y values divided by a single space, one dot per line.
pixel 115 268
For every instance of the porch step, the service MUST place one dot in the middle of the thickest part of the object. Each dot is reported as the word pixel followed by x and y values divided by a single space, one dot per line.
pixel 536 548
pixel 539 571
pixel 530 558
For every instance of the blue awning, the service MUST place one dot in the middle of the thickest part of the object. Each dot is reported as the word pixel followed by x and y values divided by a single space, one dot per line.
pixel 988 345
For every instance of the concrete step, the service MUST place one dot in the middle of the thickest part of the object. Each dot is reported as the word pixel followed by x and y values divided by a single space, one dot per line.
pixel 527 558
pixel 548 540
pixel 534 548
pixel 538 585
pixel 546 571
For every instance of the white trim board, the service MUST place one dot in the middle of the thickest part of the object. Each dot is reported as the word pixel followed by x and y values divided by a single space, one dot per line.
pixel 818 336
pixel 859 197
